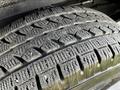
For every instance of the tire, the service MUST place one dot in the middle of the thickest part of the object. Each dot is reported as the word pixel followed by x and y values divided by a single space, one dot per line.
pixel 59 48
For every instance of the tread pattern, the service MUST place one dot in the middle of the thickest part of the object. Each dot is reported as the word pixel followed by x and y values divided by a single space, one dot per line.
pixel 44 49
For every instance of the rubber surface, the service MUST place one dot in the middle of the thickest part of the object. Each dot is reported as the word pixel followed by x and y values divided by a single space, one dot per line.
pixel 57 48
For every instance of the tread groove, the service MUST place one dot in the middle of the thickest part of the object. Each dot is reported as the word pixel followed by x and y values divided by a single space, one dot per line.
pixel 38 82
pixel 80 63
pixel 35 26
pixel 40 51
pixel 98 56
pixel 3 69
pixel 57 41
pixel 49 20
pixel 5 41
pixel 60 72
pixel 19 33
pixel 15 88
pixel 20 59
pixel 112 51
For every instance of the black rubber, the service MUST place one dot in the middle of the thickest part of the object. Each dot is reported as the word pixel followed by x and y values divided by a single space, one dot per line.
pixel 57 48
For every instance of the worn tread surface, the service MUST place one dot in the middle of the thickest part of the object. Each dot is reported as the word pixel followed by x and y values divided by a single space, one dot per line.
pixel 48 49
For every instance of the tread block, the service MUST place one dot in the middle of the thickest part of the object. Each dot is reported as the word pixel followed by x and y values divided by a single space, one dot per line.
pixel 4 47
pixel 70 16
pixel 98 42
pixel 44 64
pixel 11 37
pixel 56 34
pixel 83 34
pixel 72 29
pixel 35 32
pixel 67 39
pixel 115 48
pixel 18 51
pixel 64 55
pixel 19 77
pixel 37 42
pixel 49 46
pixel 106 56
pixel 98 16
pixel 49 78
pixel 115 30
pixel 65 21
pixel 29 85
pixel 90 59
pixel 9 63
pixel 31 54
pixel 23 75
pixel 110 40
pixel 7 84
pixel 90 62
pixel 25 30
pixel 71 72
pixel 47 24
pixel 105 53
pixel 106 30
pixel 18 39
pixel 116 37
pixel 70 67
pixel 83 15
pixel 57 20
pixel 41 23
pixel 51 25
pixel 83 47
pixel 96 31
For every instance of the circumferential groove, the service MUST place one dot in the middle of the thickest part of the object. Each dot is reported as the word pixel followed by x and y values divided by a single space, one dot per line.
pixel 112 51
pixel 60 72
pixel 80 63
pixel 38 82
pixel 98 56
